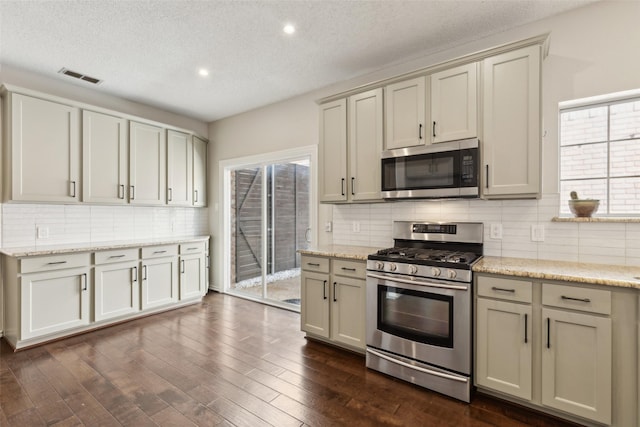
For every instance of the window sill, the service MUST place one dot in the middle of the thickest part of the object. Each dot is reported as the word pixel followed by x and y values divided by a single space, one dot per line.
pixel 595 219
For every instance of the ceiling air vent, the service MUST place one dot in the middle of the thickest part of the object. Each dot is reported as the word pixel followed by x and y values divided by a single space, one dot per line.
pixel 80 76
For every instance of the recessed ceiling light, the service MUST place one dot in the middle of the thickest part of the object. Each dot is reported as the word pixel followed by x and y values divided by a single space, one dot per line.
pixel 203 72
pixel 289 29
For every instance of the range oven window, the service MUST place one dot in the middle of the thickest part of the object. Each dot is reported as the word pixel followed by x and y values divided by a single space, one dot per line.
pixel 418 316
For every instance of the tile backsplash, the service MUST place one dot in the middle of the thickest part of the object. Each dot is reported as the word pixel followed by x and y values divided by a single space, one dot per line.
pixel 615 243
pixel 69 224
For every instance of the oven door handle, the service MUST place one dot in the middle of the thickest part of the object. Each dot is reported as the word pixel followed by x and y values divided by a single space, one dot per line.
pixel 416 282
pixel 417 368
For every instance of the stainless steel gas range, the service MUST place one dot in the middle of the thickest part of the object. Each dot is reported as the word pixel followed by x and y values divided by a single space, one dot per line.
pixel 419 305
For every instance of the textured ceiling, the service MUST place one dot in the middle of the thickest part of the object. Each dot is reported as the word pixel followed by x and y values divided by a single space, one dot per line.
pixel 150 51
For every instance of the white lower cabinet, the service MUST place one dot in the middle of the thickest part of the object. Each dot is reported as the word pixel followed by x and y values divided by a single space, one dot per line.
pixel 558 336
pixel 314 303
pixel 54 301
pixel 52 296
pixel 117 290
pixel 333 301
pixel 192 270
pixel 159 282
pixel 504 347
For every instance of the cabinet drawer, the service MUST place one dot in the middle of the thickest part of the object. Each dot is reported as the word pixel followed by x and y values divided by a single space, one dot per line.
pixel 159 251
pixel 321 265
pixel 116 255
pixel 505 289
pixel 191 248
pixel 349 268
pixel 577 298
pixel 54 262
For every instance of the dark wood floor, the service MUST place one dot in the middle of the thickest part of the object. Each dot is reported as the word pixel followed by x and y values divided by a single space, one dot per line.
pixel 224 362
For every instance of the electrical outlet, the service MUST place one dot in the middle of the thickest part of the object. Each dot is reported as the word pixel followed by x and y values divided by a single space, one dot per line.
pixel 327 226
pixel 355 226
pixel 42 232
pixel 537 233
pixel 496 231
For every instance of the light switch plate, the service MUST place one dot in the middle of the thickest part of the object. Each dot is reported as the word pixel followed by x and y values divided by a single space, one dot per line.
pixel 327 226
pixel 356 226
pixel 537 233
pixel 496 231
pixel 42 232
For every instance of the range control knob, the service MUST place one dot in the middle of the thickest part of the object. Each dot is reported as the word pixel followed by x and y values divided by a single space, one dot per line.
pixel 413 269
pixel 451 274
pixel 435 272
pixel 392 267
pixel 379 265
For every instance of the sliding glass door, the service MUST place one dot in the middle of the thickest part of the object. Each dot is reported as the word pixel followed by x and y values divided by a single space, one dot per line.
pixel 269 221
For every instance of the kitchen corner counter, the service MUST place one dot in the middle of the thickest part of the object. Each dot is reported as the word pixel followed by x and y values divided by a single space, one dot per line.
pixel 340 251
pixel 29 251
pixel 600 274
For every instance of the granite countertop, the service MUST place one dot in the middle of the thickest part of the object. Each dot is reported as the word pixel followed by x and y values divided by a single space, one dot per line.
pixel 340 251
pixel 599 274
pixel 98 246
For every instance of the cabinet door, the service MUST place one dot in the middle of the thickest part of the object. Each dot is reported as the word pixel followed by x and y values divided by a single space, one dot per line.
pixel 45 147
pixel 454 106
pixel 179 168
pixel 511 123
pixel 199 172
pixel 333 151
pixel 406 113
pixel 348 311
pixel 105 158
pixel 54 302
pixel 159 282
pixel 365 144
pixel 503 347
pixel 117 290
pixel 147 164
pixel 576 364
pixel 192 276
pixel 314 304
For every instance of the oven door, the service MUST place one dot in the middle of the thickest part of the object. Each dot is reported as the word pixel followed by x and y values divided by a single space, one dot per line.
pixel 426 320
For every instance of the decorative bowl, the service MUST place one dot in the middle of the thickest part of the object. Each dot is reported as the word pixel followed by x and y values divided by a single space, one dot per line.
pixel 584 208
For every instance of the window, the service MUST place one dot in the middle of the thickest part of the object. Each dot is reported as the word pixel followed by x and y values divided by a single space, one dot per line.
pixel 600 155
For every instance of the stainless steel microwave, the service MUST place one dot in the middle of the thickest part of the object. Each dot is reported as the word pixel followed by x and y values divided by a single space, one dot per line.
pixel 444 170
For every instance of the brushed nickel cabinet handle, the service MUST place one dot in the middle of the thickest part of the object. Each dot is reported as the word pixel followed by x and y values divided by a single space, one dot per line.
pixel 526 331
pixel 158 252
pixel 170 195
pixel 434 129
pixel 334 292
pixel 182 266
pixel 420 131
pixel 196 195
pixel 116 256
pixel 144 272
pixel 348 269
pixel 84 279
pixel 324 289
pixel 134 271
pixel 121 191
pixel 313 264
pixel 132 189
pixel 548 332
pixel 73 188
pixel 56 262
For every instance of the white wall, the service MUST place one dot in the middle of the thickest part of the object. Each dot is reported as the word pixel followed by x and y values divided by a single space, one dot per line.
pixel 593 51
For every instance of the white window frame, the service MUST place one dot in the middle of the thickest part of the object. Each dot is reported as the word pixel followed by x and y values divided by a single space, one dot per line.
pixel 593 102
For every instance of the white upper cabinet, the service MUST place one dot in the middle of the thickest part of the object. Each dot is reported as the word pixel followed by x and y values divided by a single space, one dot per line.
pixel 199 172
pixel 365 145
pixel 406 113
pixel 147 164
pixel 44 151
pixel 333 151
pixel 454 98
pixel 179 168
pixel 105 158
pixel 511 124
